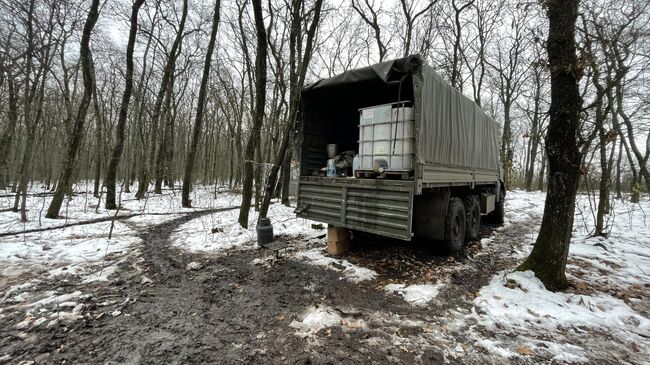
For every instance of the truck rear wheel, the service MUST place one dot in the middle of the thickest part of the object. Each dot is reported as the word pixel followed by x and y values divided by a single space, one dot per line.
pixel 455 225
pixel 473 214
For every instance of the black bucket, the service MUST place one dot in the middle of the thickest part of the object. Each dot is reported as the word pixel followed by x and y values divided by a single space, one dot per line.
pixel 264 232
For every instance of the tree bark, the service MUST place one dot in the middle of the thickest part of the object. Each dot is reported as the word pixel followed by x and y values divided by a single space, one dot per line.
pixel 88 72
pixel 534 133
pixel 603 191
pixel 548 257
pixel 170 66
pixel 297 75
pixel 286 176
pixel 542 173
pixel 98 146
pixel 619 193
pixel 258 117
pixel 165 144
pixel 8 135
pixel 200 106
pixel 116 154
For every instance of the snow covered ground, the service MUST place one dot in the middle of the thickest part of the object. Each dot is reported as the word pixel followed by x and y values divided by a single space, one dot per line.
pixel 349 271
pixel 608 301
pixel 220 231
pixel 67 247
pixel 513 318
pixel 418 294
pixel 75 247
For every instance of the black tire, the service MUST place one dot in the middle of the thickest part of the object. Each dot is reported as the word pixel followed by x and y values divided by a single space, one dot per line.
pixel 473 217
pixel 455 225
pixel 498 215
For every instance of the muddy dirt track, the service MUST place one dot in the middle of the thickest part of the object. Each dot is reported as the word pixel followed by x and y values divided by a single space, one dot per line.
pixel 233 311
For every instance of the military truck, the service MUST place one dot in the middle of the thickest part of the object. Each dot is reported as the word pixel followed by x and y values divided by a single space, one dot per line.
pixel 428 158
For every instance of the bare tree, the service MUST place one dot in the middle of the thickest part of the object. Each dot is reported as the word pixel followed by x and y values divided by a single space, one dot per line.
pixel 116 154
pixel 258 113
pixel 88 71
pixel 455 78
pixel 168 74
pixel 510 74
pixel 548 257
pixel 411 16
pixel 372 19
pixel 198 121
pixel 297 71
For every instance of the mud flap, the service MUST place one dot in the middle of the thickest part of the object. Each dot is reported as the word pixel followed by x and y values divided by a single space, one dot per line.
pixel 430 210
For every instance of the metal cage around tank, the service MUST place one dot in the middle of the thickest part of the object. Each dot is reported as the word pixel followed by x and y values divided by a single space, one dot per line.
pixel 386 132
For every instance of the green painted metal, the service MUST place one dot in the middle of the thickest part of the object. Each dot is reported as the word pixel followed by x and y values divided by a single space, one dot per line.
pixel 374 206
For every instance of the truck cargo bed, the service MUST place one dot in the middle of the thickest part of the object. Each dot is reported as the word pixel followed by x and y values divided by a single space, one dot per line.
pixel 382 207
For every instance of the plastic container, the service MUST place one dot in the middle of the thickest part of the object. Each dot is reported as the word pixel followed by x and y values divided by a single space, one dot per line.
pixel 264 232
pixel 356 164
pixel 387 132
pixel 331 168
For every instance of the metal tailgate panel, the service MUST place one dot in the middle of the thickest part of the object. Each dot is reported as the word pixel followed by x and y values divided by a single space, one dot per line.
pixel 381 210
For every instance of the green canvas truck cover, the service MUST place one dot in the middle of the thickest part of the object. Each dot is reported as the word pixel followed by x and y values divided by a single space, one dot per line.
pixel 451 130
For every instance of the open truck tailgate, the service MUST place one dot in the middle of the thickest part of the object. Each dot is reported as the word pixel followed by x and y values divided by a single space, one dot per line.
pixel 382 207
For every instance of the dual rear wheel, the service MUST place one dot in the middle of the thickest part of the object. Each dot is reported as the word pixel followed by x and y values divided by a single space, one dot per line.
pixel 462 222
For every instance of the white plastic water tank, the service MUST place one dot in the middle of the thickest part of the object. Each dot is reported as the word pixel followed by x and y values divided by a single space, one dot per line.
pixel 387 132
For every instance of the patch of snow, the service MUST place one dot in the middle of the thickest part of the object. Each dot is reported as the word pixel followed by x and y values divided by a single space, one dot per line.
pixel 417 295
pixel 148 220
pixel 523 302
pixel 39 322
pixel 354 273
pixel 51 297
pixel 67 250
pixel 221 231
pixel 316 318
pixel 564 352
pixel 194 266
pixel 101 274
pixel 493 348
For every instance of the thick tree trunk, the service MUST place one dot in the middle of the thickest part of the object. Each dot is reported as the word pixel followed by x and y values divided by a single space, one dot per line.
pixel 200 106
pixel 116 154
pixel 260 101
pixel 78 129
pixel 549 255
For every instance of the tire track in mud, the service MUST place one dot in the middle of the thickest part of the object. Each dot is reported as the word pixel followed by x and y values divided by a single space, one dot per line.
pixel 228 311
pixel 231 311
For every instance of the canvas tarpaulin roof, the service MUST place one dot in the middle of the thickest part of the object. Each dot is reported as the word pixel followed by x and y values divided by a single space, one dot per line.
pixel 452 130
